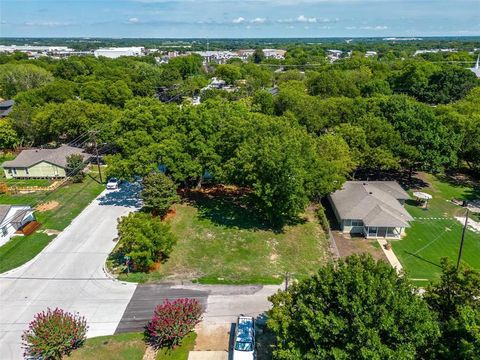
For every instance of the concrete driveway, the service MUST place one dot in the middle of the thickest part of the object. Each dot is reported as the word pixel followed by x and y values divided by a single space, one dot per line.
pixel 69 274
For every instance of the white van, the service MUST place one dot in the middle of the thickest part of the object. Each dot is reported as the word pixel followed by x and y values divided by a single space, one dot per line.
pixel 244 346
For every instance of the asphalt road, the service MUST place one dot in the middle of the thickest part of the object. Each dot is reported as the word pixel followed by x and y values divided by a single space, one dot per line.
pixel 69 274
pixel 222 304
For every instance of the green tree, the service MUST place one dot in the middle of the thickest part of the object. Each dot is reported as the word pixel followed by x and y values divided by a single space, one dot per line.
pixel 355 309
pixel 456 300
pixel 187 65
pixel 229 73
pixel 8 136
pixel 449 84
pixel 68 120
pixel 145 239
pixel 263 102
pixel 427 143
pixel 258 56
pixel 159 193
pixel 15 78
pixel 70 68
pixel 75 166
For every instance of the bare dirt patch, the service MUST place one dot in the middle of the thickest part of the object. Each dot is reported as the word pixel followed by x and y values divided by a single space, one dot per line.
pixel 212 337
pixel 47 206
pixel 348 245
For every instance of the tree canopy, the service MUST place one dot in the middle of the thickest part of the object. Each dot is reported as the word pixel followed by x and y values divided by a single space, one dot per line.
pixel 357 308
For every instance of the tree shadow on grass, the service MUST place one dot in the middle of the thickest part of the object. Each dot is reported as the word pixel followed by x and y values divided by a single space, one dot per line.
pixel 423 259
pixel 458 180
pixel 231 209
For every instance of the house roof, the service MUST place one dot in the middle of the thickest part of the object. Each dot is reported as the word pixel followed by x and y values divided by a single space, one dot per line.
pixel 17 216
pixel 376 203
pixel 28 158
pixel 4 209
pixel 6 107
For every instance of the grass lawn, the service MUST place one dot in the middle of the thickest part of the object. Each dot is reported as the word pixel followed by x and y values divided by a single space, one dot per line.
pixel 435 233
pixel 129 346
pixel 221 242
pixel 27 182
pixel 71 200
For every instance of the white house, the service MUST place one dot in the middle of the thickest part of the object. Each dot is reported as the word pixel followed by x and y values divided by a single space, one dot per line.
pixel 13 218
pixel 373 209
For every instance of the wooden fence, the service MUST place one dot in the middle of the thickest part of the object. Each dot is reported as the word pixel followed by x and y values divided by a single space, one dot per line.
pixel 4 188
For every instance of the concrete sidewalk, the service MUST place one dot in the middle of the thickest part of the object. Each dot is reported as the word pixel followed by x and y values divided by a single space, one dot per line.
pixel 391 257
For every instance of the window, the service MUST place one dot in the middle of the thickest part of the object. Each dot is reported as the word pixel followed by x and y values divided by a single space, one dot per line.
pixel 26 171
pixel 4 231
pixel 372 231
pixel 357 223
pixel 347 222
pixel 14 171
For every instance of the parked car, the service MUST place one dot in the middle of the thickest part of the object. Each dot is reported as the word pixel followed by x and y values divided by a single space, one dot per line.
pixel 244 346
pixel 113 184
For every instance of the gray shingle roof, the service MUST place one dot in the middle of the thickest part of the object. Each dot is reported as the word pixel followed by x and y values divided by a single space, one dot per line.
pixel 57 157
pixel 4 209
pixel 376 203
pixel 6 107
pixel 17 216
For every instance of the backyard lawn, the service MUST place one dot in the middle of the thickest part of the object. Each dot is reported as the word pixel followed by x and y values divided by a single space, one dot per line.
pixel 221 241
pixel 62 206
pixel 129 346
pixel 435 233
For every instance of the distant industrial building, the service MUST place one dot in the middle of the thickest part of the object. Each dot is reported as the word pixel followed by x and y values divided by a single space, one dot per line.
pixel 34 51
pixel 116 52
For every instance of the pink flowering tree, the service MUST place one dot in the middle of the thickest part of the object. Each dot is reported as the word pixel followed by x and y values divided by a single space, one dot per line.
pixel 53 334
pixel 172 321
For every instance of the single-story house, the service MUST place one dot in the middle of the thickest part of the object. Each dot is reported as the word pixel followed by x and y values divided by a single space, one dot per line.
pixel 12 218
pixel 41 163
pixel 6 107
pixel 373 209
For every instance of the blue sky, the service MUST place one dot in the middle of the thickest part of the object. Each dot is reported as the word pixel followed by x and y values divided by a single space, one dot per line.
pixel 229 18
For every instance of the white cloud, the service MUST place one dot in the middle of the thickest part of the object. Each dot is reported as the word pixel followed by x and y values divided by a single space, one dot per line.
pixel 47 23
pixel 133 20
pixel 258 20
pixel 238 20
pixel 303 18
pixel 378 27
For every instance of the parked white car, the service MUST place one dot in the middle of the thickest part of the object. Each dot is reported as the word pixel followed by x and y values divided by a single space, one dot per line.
pixel 244 347
pixel 113 184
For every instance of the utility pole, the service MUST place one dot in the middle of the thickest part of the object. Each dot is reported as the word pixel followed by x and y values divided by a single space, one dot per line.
pixel 463 239
pixel 94 135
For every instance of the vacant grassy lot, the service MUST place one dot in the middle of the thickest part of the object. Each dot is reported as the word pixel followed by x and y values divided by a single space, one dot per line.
pixel 221 241
pixel 70 200
pixel 130 346
pixel 435 233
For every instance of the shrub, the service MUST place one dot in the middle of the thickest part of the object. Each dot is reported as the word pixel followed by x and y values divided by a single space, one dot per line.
pixel 145 239
pixel 53 334
pixel 322 218
pixel 172 321
pixel 159 193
